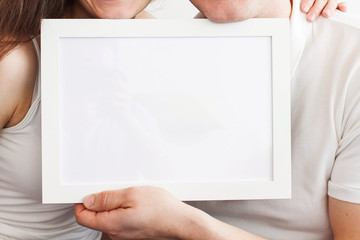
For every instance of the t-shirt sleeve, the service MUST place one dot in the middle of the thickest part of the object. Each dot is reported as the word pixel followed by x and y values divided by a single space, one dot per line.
pixel 344 183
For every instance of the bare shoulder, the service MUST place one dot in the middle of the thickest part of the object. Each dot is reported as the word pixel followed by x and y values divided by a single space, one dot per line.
pixel 18 72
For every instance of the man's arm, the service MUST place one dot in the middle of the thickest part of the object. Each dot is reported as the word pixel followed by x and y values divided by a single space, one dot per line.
pixel 152 213
pixel 209 228
pixel 345 219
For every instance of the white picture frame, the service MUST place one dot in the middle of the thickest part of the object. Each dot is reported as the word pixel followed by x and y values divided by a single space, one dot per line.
pixel 61 39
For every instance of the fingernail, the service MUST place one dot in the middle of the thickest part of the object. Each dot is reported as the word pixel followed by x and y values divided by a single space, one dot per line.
pixel 312 17
pixel 306 8
pixel 89 201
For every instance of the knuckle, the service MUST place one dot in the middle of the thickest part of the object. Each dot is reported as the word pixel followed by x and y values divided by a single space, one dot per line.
pixel 343 6
pixel 332 4
pixel 307 2
pixel 131 192
pixel 78 219
pixel 104 199
pixel 320 4
pixel 317 9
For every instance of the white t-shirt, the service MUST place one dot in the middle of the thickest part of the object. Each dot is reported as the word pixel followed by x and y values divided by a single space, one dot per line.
pixel 325 136
pixel 22 216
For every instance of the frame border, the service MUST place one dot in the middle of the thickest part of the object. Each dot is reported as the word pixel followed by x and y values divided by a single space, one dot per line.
pixel 54 29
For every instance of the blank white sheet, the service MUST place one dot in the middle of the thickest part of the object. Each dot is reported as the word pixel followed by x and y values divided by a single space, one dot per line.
pixel 153 110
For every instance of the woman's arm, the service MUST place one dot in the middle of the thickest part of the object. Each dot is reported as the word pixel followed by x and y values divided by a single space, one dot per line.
pixel 326 8
pixel 18 72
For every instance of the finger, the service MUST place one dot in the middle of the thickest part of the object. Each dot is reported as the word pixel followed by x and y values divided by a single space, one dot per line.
pixel 343 7
pixel 330 8
pixel 108 200
pixel 87 218
pixel 306 5
pixel 101 221
pixel 315 11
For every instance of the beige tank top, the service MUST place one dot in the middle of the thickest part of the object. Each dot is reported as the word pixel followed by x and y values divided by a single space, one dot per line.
pixel 22 216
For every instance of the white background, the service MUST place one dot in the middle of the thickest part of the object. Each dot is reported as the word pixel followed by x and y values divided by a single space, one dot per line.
pixel 173 9
pixel 184 9
pixel 354 6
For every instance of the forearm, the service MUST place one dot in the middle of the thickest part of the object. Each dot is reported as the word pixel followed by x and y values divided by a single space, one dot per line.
pixel 201 226
pixel 152 213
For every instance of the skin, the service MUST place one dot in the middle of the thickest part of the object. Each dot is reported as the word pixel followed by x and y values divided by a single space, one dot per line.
pixel 239 10
pixel 314 9
pixel 344 219
pixel 109 9
pixel 153 213
pixel 16 87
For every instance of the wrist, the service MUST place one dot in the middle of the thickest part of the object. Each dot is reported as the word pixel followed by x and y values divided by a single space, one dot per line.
pixel 195 225
pixel 198 225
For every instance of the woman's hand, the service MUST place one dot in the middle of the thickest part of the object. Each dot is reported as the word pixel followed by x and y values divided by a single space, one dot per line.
pixel 313 8
pixel 136 213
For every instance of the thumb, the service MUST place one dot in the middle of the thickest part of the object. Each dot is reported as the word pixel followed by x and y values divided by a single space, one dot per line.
pixel 104 201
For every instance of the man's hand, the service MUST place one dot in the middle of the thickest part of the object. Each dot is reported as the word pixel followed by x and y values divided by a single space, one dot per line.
pixel 152 213
pixel 136 213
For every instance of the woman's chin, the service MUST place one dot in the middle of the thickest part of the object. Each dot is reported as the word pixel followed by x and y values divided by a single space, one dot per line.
pixel 115 15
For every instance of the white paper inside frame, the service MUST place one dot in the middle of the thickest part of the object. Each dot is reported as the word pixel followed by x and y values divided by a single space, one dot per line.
pixel 149 110
pixel 203 111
